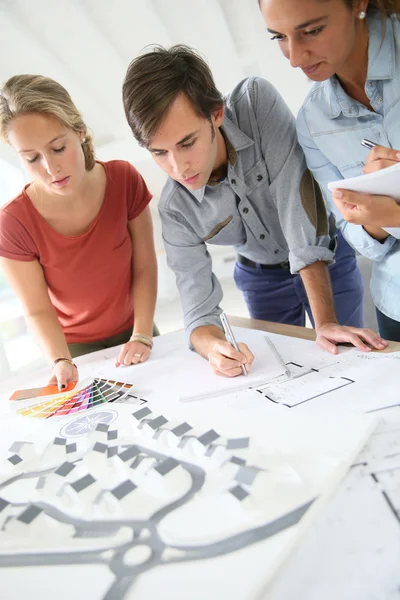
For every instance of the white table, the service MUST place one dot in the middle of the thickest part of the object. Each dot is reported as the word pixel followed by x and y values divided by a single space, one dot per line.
pixel 352 550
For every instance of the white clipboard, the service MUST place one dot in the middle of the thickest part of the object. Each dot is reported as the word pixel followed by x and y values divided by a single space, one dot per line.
pixel 385 182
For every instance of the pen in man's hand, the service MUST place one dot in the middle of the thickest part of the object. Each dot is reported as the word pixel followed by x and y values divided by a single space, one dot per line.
pixel 229 333
pixel 368 144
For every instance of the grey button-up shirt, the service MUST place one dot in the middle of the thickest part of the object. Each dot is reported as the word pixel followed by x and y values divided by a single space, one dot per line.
pixel 268 207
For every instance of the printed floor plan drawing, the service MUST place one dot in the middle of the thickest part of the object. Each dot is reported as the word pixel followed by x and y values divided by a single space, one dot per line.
pixel 121 490
pixel 136 492
pixel 303 385
pixel 381 461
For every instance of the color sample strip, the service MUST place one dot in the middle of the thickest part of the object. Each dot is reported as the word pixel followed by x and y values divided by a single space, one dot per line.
pixel 68 402
pixel 75 402
pixel 43 409
pixel 46 413
pixel 48 390
pixel 86 400
pixel 83 400
pixel 118 390
pixel 97 397
pixel 110 392
pixel 96 393
pixel 117 383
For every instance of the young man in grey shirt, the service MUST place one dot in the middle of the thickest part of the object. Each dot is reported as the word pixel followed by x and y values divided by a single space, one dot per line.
pixel 237 177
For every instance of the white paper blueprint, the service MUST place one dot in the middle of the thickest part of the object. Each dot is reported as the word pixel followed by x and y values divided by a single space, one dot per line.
pixel 303 420
pixel 372 378
pixel 148 503
pixel 358 531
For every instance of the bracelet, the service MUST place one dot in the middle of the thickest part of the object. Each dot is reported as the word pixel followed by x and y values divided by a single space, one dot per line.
pixel 142 338
pixel 68 360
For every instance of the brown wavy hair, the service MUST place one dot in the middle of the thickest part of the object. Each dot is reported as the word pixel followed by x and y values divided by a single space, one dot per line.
pixel 23 94
pixel 155 79
pixel 385 7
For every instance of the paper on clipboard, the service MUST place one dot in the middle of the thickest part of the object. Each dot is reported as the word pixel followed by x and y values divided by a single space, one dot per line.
pixel 385 182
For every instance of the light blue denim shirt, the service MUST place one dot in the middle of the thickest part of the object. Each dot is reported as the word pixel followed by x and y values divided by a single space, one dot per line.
pixel 330 127
pixel 267 207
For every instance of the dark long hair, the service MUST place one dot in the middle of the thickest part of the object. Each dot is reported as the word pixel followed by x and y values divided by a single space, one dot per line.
pixel 385 7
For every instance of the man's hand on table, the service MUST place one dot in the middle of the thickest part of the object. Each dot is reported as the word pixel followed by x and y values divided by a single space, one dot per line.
pixel 331 334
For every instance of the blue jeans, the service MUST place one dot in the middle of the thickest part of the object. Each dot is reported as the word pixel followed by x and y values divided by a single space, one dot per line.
pixel 277 295
pixel 389 329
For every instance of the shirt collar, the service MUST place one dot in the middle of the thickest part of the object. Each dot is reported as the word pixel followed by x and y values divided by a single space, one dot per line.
pixel 237 141
pixel 380 51
pixel 380 66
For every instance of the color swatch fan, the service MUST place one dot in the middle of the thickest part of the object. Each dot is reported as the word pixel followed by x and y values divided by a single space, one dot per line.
pixel 92 393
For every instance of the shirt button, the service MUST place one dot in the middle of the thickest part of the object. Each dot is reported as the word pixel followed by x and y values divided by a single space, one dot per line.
pixel 245 210
pixel 350 110
pixel 276 251
pixel 259 177
pixel 233 181
pixel 262 236
pixel 379 100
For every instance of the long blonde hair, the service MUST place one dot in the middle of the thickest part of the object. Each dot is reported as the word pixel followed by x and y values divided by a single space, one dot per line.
pixel 23 94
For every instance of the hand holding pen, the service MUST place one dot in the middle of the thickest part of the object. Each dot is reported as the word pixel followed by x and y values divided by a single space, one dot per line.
pixel 380 157
pixel 371 211
pixel 228 358
pixel 231 337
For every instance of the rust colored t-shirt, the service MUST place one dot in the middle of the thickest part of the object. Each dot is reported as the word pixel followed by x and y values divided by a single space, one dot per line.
pixel 89 276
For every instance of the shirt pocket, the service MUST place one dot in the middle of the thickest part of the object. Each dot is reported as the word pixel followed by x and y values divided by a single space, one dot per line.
pixel 344 150
pixel 256 177
pixel 351 170
pixel 227 232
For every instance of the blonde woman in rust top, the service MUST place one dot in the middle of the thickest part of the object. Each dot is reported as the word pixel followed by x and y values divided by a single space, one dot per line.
pixel 77 244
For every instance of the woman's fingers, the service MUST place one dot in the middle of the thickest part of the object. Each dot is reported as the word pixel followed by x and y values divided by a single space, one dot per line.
pixel 63 374
pixel 132 353
pixel 381 157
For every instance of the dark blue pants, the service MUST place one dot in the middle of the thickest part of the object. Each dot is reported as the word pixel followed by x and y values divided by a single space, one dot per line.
pixel 389 329
pixel 277 295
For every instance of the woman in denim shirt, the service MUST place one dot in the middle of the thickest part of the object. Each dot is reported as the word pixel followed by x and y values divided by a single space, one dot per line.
pixel 351 49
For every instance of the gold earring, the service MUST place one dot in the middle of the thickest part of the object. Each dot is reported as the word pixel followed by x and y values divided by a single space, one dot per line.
pixel 84 140
pixel 362 14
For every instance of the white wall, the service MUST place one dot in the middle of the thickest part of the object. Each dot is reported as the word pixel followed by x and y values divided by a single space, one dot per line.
pixel 11 181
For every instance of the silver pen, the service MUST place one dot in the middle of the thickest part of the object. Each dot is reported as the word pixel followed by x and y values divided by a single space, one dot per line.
pixel 368 144
pixel 229 333
pixel 285 368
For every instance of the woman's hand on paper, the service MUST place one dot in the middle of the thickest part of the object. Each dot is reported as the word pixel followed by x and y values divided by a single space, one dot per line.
pixel 367 209
pixel 379 158
pixel 331 334
pixel 132 353
pixel 226 361
pixel 63 374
